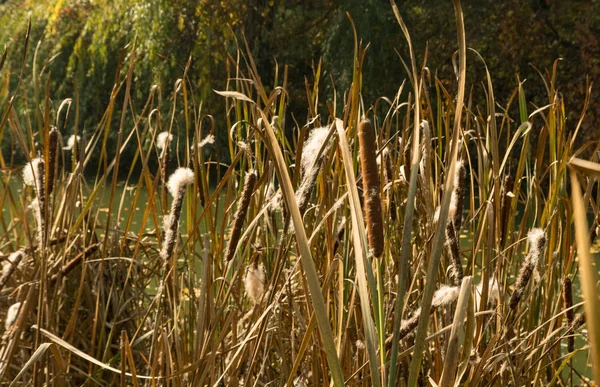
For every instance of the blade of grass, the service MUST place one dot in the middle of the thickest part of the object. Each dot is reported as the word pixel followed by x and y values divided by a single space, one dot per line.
pixel 587 275
pixel 305 255
pixel 359 236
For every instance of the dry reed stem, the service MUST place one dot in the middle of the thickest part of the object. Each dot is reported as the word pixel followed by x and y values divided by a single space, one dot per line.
pixel 507 197
pixel 52 159
pixel 370 178
pixel 570 314
pixel 240 215
pixel 389 180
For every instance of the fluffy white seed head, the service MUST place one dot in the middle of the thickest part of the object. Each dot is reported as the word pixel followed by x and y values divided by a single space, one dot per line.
pixel 445 295
pixel 30 171
pixel 181 178
pixel 163 139
pixel 535 236
pixel 255 282
pixel 312 145
pixel 71 142
pixel 208 140
pixel 11 315
pixel 537 242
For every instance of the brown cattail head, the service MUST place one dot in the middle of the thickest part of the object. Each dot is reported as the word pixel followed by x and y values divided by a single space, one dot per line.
pixel 52 158
pixel 537 243
pixel 370 178
pixel 240 215
pixel 567 305
pixel 177 185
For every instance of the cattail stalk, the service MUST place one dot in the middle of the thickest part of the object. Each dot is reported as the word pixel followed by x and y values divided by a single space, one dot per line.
pixel 177 185
pixel 389 179
pixel 52 158
pixel 240 214
pixel 33 175
pixel 537 243
pixel 507 197
pixel 567 305
pixel 163 142
pixel 370 178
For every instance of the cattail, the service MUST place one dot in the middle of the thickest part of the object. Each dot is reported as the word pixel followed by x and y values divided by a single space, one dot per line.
pixel 313 155
pixel 443 296
pixel 163 140
pixel 507 197
pixel 453 246
pixel 11 315
pixel 33 175
pixel 9 266
pixel 311 148
pixel 389 180
pixel 52 158
pixel 240 215
pixel 370 177
pixel 341 231
pixel 71 142
pixel 177 185
pixel 537 243
pixel 458 196
pixel 567 305
pixel 255 281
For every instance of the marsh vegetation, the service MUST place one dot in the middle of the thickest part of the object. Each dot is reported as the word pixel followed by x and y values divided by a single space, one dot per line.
pixel 309 250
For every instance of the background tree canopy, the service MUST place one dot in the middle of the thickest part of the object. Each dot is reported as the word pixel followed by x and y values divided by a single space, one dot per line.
pixel 81 41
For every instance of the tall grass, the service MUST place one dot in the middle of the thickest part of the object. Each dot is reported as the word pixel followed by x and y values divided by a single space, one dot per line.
pixel 270 264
